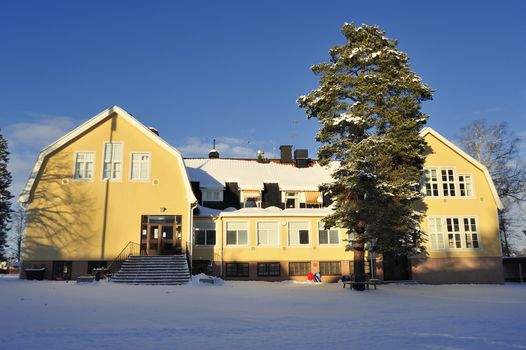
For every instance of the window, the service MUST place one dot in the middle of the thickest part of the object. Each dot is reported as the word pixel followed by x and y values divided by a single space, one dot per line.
pixel 212 195
pixel 236 233
pixel 330 236
pixel 431 181
pixel 436 233
pixel 298 233
pixel 84 165
pixel 299 268
pixel 237 269
pixel 448 183
pixel 465 185
pixel 470 231
pixel 250 199
pixel 292 200
pixel 330 268
pixel 268 233
pixel 269 269
pixel 205 233
pixel 140 166
pixel 453 233
pixel 112 167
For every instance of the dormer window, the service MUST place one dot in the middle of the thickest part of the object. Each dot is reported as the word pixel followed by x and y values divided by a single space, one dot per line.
pixel 251 199
pixel 212 195
pixel 292 200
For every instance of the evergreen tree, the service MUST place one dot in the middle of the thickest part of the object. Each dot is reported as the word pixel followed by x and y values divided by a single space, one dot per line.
pixel 5 196
pixel 368 103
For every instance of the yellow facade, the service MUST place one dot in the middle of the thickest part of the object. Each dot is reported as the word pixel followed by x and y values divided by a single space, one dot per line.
pixel 95 219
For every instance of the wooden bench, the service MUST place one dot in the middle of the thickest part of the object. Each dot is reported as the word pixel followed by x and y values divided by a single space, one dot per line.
pixel 370 282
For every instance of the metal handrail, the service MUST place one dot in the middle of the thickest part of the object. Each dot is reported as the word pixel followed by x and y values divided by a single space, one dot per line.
pixel 131 249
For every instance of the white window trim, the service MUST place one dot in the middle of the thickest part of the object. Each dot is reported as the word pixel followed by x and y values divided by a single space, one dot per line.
pixel 75 165
pixel 102 164
pixel 205 245
pixel 472 185
pixel 209 190
pixel 242 199
pixel 278 225
pixel 462 233
pixel 226 233
pixel 322 245
pixel 131 166
pixel 297 197
pixel 299 245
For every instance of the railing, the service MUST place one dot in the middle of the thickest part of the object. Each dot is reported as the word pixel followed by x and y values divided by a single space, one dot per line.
pixel 131 249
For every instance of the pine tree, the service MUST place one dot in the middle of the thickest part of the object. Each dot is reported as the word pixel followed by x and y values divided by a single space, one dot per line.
pixel 5 196
pixel 369 105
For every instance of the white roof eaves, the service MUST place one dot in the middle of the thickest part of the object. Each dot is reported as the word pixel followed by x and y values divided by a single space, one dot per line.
pixel 469 158
pixel 24 197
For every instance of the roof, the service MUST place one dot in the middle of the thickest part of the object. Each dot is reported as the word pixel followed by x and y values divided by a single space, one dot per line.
pixel 470 159
pixel 251 175
pixel 25 196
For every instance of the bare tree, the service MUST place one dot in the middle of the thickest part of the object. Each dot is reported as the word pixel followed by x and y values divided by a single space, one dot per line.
pixel 498 149
pixel 17 231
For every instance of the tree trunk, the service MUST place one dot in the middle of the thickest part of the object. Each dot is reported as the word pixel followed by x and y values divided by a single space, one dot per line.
pixel 359 265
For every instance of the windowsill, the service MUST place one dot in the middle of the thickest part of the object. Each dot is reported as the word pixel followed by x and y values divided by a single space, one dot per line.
pixel 83 180
pixel 140 180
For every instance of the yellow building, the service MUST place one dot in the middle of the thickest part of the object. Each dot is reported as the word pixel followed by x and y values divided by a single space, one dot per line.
pixel 112 184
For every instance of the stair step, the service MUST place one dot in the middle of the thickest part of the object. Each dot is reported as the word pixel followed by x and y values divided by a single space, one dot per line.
pixel 157 269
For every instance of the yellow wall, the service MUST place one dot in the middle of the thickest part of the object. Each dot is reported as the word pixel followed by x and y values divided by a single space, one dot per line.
pixel 89 220
pixel 481 205
pixel 253 252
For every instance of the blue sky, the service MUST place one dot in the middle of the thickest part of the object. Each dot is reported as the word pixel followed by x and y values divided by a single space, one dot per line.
pixel 232 70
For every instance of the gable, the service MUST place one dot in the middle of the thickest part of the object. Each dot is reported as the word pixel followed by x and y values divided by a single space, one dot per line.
pixel 136 130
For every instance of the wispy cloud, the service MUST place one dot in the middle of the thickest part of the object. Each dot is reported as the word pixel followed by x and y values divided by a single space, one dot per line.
pixel 227 146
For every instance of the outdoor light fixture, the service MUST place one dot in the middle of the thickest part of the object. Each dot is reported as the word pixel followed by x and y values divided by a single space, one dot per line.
pixel 162 209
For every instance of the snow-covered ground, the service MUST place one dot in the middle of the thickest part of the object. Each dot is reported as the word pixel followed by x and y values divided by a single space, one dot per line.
pixel 259 315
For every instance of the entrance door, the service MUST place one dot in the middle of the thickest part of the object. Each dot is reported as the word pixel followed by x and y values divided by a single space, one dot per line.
pixel 160 235
pixel 396 267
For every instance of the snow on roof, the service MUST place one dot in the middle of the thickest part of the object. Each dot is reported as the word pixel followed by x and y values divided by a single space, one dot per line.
pixel 259 212
pixel 251 175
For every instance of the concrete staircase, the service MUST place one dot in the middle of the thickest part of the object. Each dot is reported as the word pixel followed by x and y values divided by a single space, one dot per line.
pixel 156 269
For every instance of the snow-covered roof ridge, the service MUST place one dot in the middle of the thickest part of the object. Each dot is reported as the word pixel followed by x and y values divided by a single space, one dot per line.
pixel 476 163
pixel 215 173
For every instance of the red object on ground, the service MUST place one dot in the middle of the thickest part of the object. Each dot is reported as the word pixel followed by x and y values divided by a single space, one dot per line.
pixel 310 276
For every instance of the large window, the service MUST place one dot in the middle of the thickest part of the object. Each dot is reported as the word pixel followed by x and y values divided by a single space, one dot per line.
pixel 465 185
pixel 112 167
pixel 237 269
pixel 330 268
pixel 84 162
pixel 205 233
pixel 298 233
pixel 299 268
pixel 236 233
pixel 212 195
pixel 448 183
pixel 140 166
pixel 431 179
pixel 453 233
pixel 268 233
pixel 330 236
pixel 269 269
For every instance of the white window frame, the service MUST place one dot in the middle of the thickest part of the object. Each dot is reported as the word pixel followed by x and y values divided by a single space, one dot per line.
pixel 308 224
pixel 428 180
pixel 75 166
pixel 278 233
pixel 436 236
pixel 243 200
pixel 112 161
pixel 461 231
pixel 208 192
pixel 148 165
pixel 211 226
pixel 321 226
pixel 448 182
pixel 292 195
pixel 247 225
pixel 468 186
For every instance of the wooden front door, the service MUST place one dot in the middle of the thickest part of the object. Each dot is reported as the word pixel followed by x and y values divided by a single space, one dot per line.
pixel 161 235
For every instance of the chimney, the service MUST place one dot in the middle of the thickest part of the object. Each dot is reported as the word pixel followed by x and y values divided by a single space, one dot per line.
pixel 301 158
pixel 286 153
pixel 213 154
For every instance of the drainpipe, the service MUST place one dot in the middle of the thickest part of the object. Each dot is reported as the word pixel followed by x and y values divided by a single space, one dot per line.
pixel 191 232
pixel 221 248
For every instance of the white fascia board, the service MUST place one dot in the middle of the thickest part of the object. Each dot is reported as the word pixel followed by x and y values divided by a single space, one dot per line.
pixel 470 159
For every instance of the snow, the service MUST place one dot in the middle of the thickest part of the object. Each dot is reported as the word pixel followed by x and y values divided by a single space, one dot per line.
pixel 260 315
